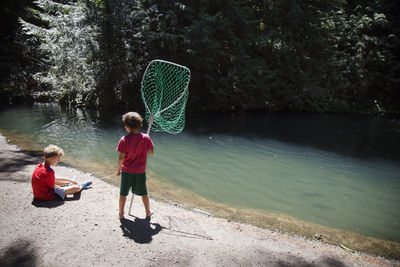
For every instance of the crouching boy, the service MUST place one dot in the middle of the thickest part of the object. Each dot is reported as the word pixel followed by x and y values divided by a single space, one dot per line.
pixel 44 184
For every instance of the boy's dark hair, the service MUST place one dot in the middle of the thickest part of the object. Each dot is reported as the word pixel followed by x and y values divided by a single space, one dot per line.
pixel 132 120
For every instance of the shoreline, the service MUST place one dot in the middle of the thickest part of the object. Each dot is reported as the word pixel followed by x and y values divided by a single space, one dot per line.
pixel 280 223
pixel 87 231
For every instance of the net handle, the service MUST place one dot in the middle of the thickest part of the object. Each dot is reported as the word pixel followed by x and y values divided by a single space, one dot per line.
pixel 150 123
pixel 176 101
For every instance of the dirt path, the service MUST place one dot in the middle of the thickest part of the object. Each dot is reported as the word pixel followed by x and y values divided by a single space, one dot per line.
pixel 86 232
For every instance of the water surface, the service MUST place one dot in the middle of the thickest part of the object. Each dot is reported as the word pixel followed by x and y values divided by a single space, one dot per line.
pixel 334 170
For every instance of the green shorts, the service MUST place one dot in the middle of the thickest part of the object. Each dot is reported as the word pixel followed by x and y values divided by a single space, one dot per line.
pixel 135 180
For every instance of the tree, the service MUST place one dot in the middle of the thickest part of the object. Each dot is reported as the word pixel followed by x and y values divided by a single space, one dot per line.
pixel 18 51
pixel 216 48
pixel 318 56
pixel 368 55
pixel 66 48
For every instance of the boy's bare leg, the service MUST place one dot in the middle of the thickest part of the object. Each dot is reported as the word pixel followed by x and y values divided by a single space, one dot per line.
pixel 72 189
pixel 122 200
pixel 146 204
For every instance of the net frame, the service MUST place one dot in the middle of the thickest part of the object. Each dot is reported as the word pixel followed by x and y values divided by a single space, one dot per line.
pixel 151 115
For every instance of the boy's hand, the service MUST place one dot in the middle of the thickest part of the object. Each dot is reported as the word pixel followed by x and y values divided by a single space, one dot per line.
pixel 120 161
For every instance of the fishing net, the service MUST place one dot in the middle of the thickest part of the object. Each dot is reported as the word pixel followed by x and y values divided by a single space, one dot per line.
pixel 165 90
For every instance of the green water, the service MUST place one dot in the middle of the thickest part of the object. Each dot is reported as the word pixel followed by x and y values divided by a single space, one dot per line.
pixel 337 171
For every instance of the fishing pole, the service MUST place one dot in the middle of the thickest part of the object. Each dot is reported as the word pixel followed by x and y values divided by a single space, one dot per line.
pixel 104 177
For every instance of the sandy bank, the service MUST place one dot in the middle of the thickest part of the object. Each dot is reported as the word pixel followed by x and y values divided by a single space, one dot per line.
pixel 86 232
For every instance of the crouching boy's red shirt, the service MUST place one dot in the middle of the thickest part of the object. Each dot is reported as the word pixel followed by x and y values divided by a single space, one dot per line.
pixel 43 182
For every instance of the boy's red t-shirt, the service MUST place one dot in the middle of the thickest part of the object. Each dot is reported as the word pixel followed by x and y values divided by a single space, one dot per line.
pixel 135 148
pixel 43 182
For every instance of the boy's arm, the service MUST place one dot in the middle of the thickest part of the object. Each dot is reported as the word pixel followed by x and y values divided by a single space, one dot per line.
pixel 50 179
pixel 120 161
pixel 64 181
pixel 151 150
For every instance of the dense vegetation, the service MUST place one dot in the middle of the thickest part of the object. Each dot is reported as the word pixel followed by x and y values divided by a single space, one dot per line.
pixel 318 56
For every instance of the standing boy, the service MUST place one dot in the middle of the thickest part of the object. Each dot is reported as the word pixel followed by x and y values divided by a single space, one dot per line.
pixel 133 149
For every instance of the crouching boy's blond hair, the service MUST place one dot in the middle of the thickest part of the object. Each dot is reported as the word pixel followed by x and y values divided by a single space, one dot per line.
pixel 52 151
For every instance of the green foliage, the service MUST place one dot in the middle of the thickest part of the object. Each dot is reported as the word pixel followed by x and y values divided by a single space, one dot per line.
pixel 318 56
pixel 216 45
pixel 367 58
pixel 17 51
pixel 294 40
pixel 66 48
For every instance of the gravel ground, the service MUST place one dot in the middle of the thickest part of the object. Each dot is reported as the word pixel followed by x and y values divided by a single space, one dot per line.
pixel 85 231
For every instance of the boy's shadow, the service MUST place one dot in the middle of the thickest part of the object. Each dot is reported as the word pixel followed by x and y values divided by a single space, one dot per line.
pixel 140 230
pixel 54 203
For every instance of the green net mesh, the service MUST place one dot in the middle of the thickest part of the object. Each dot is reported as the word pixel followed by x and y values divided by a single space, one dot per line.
pixel 165 93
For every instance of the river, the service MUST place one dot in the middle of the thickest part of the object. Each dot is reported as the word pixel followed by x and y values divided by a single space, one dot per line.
pixel 339 171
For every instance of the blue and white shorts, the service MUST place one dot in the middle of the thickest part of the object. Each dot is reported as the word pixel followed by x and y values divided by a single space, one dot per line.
pixel 60 192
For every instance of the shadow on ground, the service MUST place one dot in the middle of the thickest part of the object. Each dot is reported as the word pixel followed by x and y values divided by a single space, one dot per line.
pixel 300 262
pixel 36 154
pixel 16 163
pixel 54 203
pixel 140 230
pixel 332 262
pixel 47 203
pixel 19 253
